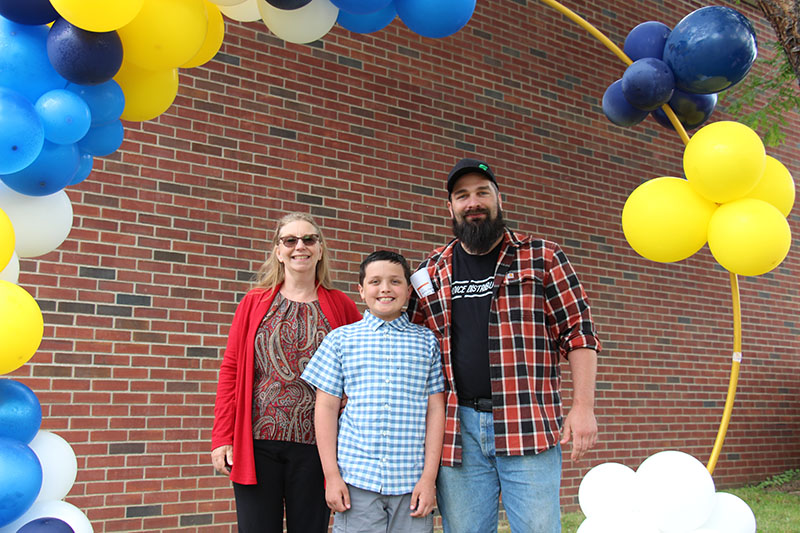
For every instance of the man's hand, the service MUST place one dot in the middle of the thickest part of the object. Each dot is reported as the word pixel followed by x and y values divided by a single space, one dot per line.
pixel 222 459
pixel 336 494
pixel 581 427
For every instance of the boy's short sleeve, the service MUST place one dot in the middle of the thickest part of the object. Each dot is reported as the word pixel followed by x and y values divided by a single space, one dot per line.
pixel 324 371
pixel 435 377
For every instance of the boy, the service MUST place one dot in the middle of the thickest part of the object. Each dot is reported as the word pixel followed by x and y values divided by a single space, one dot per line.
pixel 380 466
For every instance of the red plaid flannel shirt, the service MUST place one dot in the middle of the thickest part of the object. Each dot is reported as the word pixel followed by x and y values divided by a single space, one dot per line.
pixel 539 312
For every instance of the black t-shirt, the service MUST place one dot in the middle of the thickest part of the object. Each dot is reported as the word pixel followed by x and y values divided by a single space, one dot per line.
pixel 471 293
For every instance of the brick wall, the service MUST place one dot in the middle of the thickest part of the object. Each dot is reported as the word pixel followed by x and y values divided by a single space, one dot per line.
pixel 360 130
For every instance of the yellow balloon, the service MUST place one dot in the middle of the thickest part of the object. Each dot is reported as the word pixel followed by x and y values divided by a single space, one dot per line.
pixel 665 220
pixel 8 240
pixel 749 237
pixel 98 15
pixel 724 161
pixel 148 93
pixel 775 187
pixel 21 326
pixel 214 36
pixel 165 34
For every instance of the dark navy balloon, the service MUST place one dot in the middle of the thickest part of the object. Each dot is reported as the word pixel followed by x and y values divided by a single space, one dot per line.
pixel 692 110
pixel 618 109
pixel 32 12
pixel 20 411
pixel 646 40
pixel 711 49
pixel 648 83
pixel 46 525
pixel 368 23
pixel 288 4
pixel 83 57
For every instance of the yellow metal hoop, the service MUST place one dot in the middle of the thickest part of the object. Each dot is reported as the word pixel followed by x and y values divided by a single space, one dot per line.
pixel 737 315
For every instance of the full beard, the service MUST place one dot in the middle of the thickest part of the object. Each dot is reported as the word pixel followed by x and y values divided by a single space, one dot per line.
pixel 480 237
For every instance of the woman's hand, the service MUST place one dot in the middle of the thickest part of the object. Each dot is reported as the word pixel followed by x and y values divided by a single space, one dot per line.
pixel 222 459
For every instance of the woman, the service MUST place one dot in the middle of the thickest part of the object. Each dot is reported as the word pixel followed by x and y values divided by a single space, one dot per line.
pixel 263 435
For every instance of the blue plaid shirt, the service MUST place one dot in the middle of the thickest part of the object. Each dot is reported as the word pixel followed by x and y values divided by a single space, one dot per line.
pixel 387 370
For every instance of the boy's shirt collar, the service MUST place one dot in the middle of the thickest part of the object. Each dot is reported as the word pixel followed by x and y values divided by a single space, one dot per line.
pixel 400 323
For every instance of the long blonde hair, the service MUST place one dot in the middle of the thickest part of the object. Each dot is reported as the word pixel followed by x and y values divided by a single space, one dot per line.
pixel 271 274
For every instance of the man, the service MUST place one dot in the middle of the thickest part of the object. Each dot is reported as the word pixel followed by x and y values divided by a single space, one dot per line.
pixel 505 308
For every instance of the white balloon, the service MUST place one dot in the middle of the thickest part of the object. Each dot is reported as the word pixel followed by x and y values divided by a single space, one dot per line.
pixel 607 488
pixel 52 509
pixel 247 11
pixel 731 514
pixel 303 25
pixel 41 223
pixel 59 465
pixel 11 272
pixel 617 523
pixel 675 491
pixel 226 2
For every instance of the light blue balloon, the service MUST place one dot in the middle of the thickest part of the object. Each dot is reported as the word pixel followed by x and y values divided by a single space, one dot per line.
pixel 65 116
pixel 84 169
pixel 24 65
pixel 435 18
pixel 368 23
pixel 361 7
pixel 20 479
pixel 21 132
pixel 106 101
pixel 103 140
pixel 51 172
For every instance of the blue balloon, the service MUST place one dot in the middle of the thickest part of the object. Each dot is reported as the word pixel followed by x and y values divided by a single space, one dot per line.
pixel 618 110
pixel 103 140
pixel 288 5
pixel 51 172
pixel 648 83
pixel 368 23
pixel 83 57
pixel 435 19
pixel 65 116
pixel 46 525
pixel 24 65
pixel 20 479
pixel 106 101
pixel 692 110
pixel 33 12
pixel 84 169
pixel 20 411
pixel 21 132
pixel 711 49
pixel 646 40
pixel 361 7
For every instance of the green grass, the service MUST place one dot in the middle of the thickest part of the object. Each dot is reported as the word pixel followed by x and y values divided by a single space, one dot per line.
pixel 776 511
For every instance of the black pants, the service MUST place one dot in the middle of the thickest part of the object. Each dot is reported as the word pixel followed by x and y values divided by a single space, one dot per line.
pixel 290 473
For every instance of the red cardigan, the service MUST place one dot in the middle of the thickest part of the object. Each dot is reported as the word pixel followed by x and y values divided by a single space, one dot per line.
pixel 233 410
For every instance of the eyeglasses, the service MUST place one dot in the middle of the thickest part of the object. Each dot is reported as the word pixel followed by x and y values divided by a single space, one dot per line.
pixel 290 241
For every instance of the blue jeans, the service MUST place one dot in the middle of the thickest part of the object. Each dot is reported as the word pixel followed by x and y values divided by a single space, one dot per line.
pixel 469 495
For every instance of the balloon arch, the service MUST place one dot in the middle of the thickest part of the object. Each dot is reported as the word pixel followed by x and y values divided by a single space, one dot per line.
pixel 66 86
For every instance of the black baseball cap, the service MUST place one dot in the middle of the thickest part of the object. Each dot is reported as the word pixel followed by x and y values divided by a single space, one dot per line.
pixel 466 166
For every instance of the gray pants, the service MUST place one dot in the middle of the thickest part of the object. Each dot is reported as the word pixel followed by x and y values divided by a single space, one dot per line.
pixel 371 512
